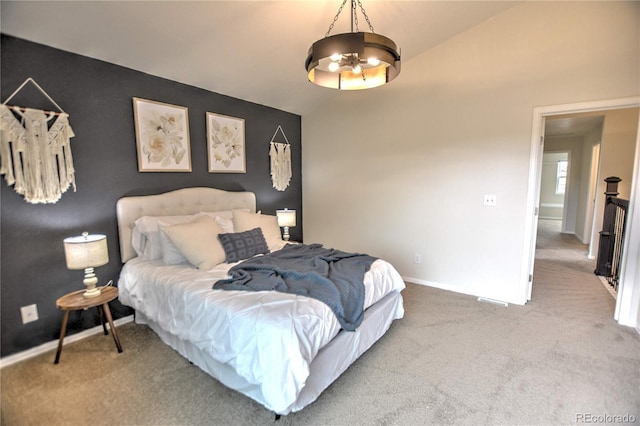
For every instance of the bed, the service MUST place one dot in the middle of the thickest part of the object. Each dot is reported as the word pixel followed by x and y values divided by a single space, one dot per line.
pixel 282 350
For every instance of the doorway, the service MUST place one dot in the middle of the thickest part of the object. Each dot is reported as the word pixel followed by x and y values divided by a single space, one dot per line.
pixel 540 116
pixel 567 164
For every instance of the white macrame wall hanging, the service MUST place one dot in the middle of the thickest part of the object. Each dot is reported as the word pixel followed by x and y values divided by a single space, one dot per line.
pixel 35 156
pixel 280 154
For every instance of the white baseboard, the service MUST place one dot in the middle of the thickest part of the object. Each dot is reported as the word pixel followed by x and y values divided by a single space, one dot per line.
pixel 438 285
pixel 457 290
pixel 495 302
pixel 46 347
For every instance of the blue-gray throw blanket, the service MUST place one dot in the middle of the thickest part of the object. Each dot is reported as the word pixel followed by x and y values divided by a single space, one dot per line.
pixel 331 276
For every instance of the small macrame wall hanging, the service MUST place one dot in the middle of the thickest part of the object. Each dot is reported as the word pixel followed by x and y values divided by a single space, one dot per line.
pixel 280 154
pixel 35 152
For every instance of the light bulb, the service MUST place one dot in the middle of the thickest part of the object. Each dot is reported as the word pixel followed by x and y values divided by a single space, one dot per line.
pixel 335 57
pixel 357 69
pixel 373 62
pixel 333 66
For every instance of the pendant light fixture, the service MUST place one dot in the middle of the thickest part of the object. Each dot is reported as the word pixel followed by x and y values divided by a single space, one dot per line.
pixel 353 61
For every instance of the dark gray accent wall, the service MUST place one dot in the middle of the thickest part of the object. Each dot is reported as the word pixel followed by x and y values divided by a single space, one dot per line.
pixel 98 98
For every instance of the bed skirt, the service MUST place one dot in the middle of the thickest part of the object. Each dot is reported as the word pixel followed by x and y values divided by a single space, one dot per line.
pixel 330 362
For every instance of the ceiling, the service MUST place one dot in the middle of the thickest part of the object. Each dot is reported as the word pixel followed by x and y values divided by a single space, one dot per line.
pixel 252 50
pixel 573 125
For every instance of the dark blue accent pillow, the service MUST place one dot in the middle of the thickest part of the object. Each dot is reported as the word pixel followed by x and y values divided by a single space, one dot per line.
pixel 243 245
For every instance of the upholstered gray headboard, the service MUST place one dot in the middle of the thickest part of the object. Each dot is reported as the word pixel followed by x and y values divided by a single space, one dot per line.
pixel 179 202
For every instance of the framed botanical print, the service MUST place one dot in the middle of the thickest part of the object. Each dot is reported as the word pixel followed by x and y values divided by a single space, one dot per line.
pixel 225 144
pixel 162 136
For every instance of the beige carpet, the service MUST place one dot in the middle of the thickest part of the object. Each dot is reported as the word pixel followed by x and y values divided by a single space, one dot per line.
pixel 451 360
pixel 551 244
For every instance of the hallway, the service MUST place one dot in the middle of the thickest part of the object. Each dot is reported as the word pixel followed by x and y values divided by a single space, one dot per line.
pixel 565 248
pixel 563 278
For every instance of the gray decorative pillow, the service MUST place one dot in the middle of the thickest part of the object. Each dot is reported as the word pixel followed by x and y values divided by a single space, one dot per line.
pixel 243 245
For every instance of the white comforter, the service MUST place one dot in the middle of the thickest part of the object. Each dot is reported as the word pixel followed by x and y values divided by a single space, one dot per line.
pixel 268 338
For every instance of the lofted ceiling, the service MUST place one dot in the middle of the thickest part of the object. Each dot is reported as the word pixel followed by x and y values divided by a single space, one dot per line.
pixel 252 50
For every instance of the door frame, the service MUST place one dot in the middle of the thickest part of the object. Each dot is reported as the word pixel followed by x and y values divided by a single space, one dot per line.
pixel 590 216
pixel 627 297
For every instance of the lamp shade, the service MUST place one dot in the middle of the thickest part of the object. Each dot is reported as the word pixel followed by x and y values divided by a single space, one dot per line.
pixel 286 217
pixel 353 61
pixel 86 251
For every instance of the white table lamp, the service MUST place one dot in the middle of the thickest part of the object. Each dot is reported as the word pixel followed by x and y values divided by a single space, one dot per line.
pixel 87 252
pixel 286 219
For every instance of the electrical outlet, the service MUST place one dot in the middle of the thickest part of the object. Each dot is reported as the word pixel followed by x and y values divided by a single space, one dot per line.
pixel 417 258
pixel 29 313
pixel 489 200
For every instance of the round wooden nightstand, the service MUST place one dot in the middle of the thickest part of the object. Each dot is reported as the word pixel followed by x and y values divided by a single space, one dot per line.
pixel 76 301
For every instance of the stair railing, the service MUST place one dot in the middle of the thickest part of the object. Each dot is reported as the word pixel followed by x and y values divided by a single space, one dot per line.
pixel 612 234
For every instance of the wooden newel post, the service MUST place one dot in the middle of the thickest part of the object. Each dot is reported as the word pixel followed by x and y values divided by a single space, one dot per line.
pixel 612 186
pixel 605 248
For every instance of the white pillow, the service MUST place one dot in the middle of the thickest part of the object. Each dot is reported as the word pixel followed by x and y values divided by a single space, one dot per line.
pixel 170 253
pixel 172 256
pixel 226 225
pixel 226 214
pixel 245 221
pixel 198 242
pixel 145 237
pixel 223 218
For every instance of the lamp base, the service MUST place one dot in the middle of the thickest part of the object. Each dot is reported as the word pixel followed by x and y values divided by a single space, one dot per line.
pixel 90 281
pixel 94 292
pixel 286 235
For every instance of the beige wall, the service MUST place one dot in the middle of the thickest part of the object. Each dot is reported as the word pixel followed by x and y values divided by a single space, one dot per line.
pixel 618 148
pixel 628 302
pixel 586 204
pixel 402 169
pixel 616 159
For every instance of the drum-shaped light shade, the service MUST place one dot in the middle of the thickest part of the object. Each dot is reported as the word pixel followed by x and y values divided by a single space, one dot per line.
pixel 377 56
pixel 86 251
pixel 286 217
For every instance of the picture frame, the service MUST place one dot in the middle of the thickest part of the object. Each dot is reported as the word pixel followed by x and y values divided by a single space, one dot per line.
pixel 162 136
pixel 226 144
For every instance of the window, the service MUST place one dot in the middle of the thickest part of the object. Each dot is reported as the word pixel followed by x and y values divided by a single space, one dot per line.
pixel 561 177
